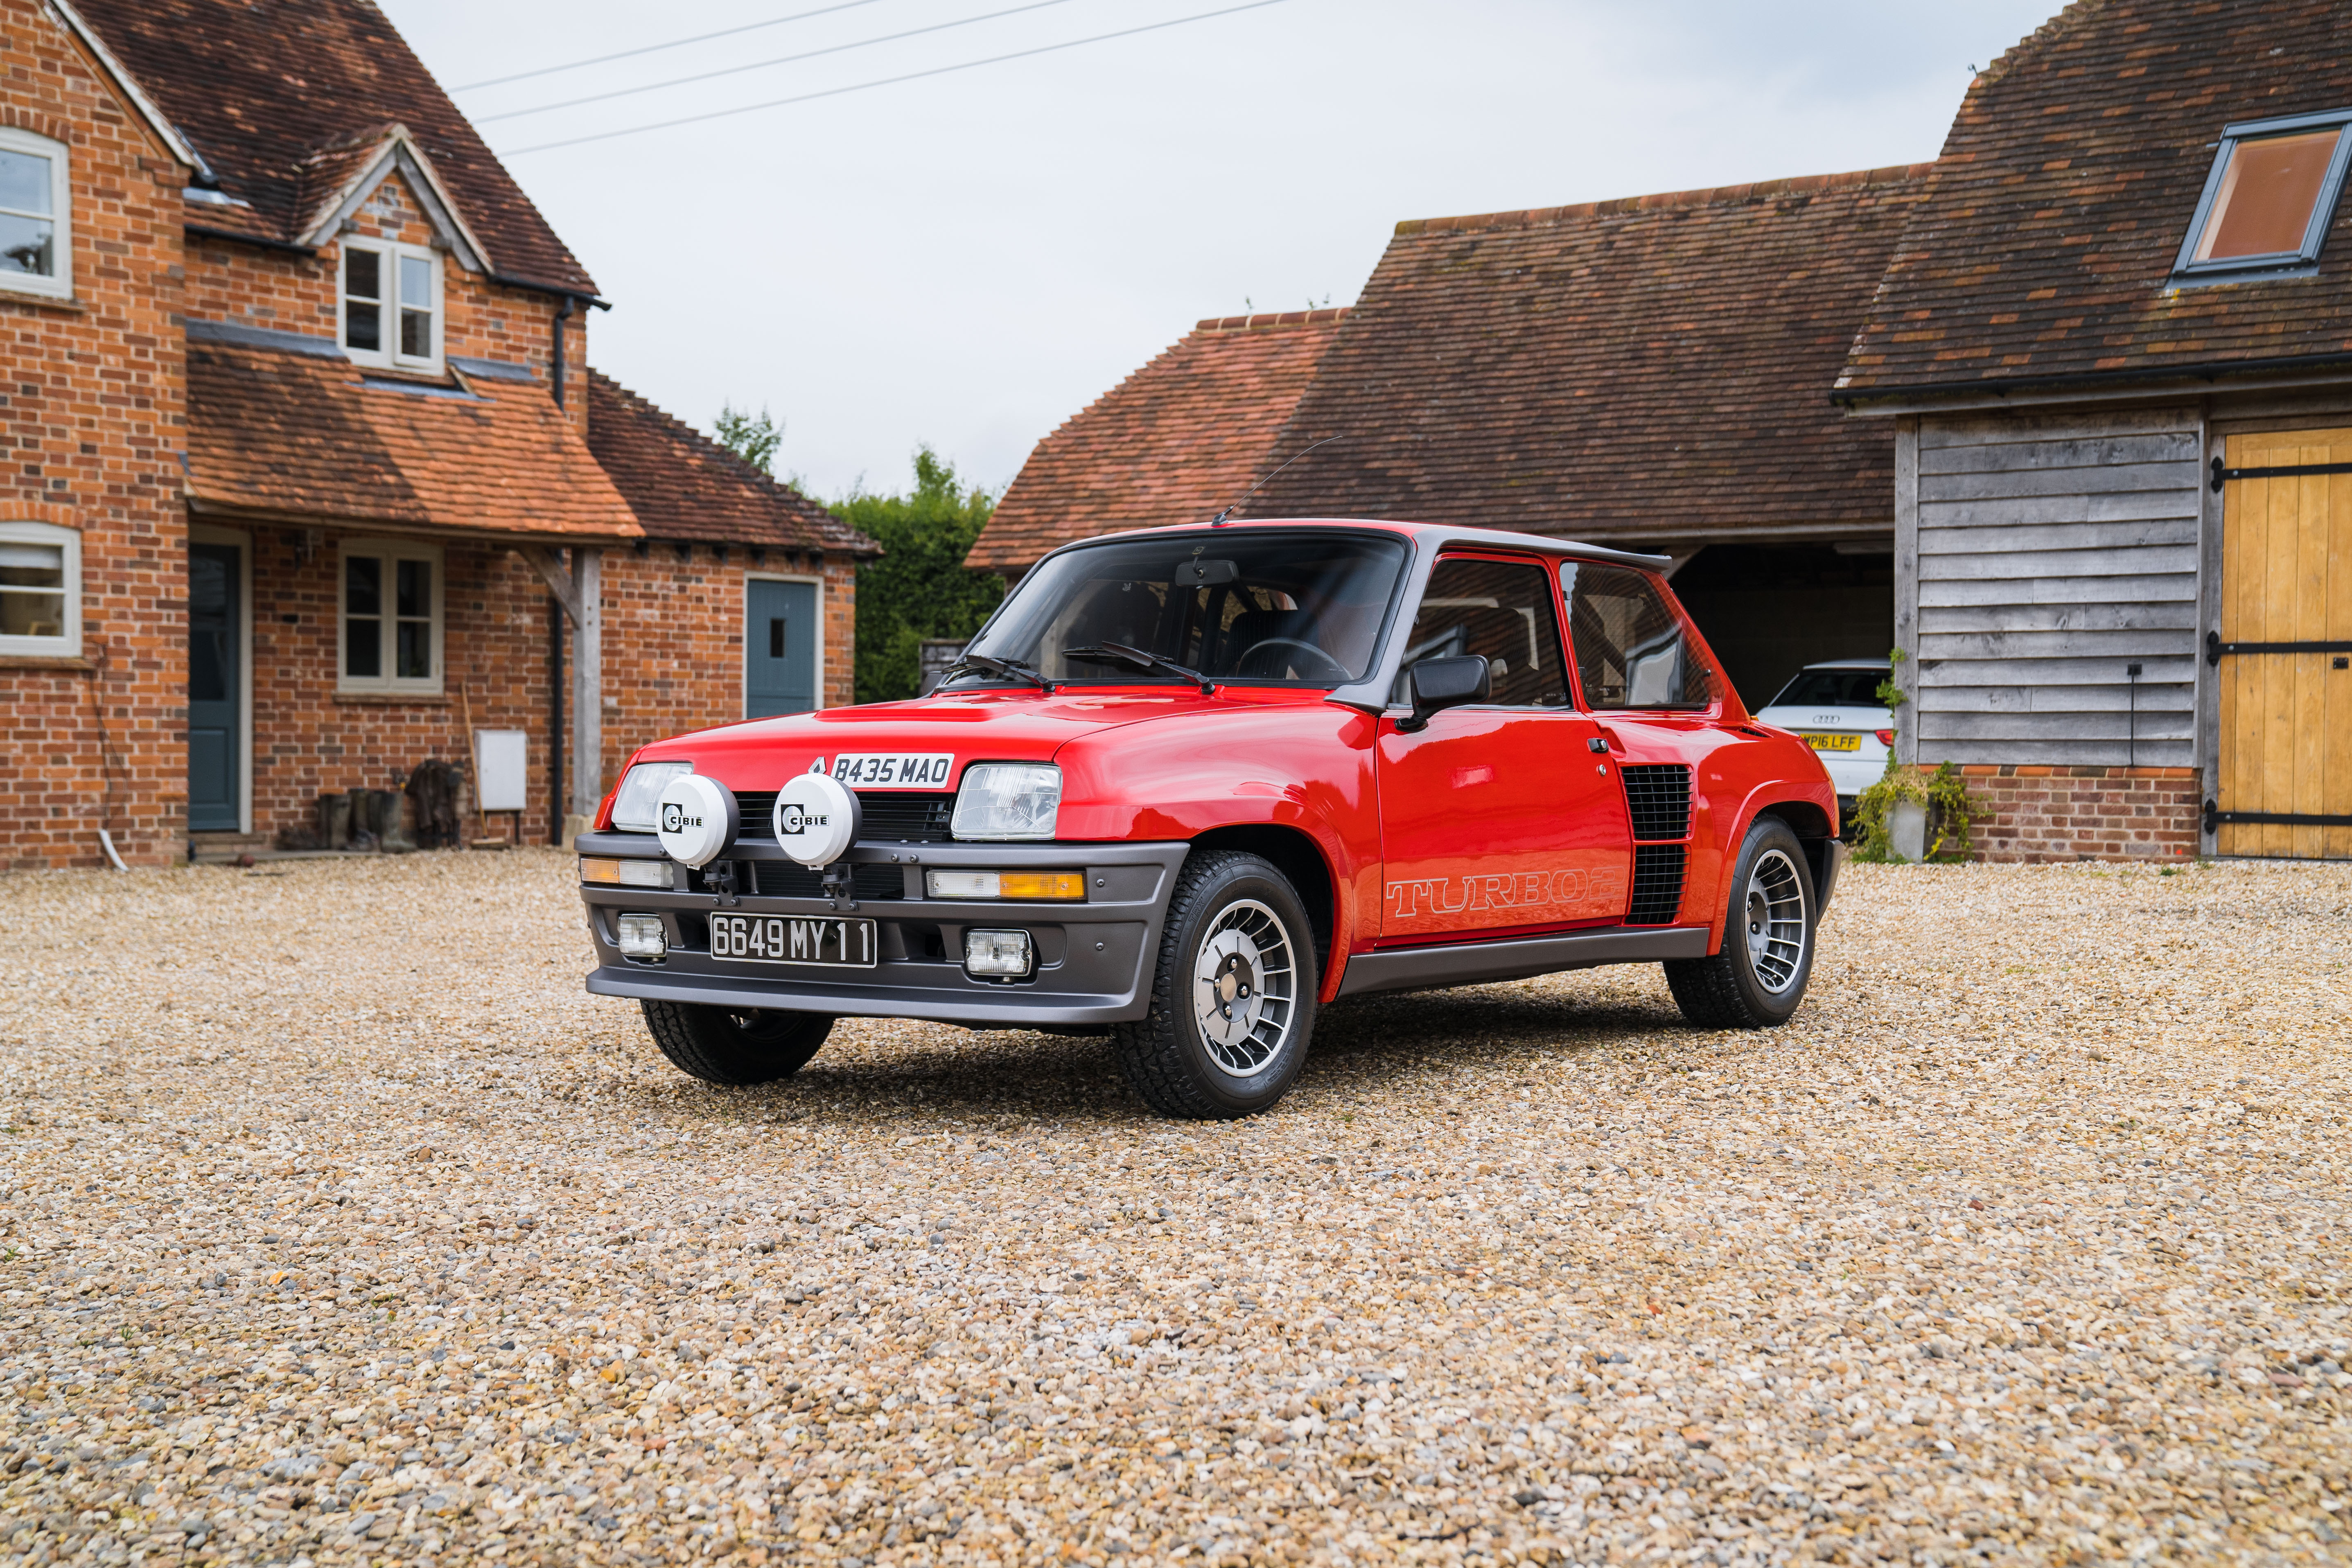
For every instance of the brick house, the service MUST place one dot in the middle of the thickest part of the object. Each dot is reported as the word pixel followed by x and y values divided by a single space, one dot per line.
pixel 307 472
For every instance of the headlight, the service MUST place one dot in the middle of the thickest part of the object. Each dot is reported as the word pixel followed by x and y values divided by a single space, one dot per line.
pixel 1007 800
pixel 632 808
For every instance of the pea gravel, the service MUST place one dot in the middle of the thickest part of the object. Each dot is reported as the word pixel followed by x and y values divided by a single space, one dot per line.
pixel 339 1227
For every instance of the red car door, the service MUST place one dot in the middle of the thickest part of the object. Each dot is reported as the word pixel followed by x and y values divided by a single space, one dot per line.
pixel 1500 817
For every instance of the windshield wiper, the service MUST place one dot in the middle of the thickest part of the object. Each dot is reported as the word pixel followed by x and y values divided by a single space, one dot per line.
pixel 1137 657
pixel 988 664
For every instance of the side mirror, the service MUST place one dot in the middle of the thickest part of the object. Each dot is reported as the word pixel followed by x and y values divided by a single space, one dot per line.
pixel 1439 683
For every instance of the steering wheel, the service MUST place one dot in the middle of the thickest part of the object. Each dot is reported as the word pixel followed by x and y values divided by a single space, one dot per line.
pixel 1317 666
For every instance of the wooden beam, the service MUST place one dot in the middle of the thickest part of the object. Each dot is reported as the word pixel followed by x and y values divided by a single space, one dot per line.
pixel 587 580
pixel 548 561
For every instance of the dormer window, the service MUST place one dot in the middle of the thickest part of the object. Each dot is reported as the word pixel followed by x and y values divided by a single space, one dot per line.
pixel 391 304
pixel 35 236
pixel 2270 198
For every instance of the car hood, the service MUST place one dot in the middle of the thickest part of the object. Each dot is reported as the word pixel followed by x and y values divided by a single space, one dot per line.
pixel 992 726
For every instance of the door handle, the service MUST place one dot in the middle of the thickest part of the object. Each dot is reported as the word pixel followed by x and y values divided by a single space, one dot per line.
pixel 1597 746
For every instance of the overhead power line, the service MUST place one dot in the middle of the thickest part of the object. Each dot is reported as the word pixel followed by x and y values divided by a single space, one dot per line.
pixel 673 44
pixel 762 65
pixel 887 81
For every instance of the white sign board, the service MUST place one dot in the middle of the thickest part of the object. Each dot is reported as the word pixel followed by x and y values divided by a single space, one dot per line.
pixel 501 771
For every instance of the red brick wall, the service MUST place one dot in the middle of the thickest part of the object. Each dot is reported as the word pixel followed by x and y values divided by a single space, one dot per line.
pixel 2083 813
pixel 674 640
pixel 90 421
pixel 308 739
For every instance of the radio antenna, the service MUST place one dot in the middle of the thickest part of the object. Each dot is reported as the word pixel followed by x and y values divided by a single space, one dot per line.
pixel 1219 520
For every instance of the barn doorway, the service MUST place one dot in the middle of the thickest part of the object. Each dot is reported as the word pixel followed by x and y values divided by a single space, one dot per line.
pixel 1768 610
pixel 2283 655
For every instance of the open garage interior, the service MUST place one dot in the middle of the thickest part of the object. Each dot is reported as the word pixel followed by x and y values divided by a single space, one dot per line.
pixel 1768 610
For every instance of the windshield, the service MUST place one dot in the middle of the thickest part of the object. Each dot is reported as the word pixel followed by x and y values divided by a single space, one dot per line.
pixel 1262 607
pixel 1833 688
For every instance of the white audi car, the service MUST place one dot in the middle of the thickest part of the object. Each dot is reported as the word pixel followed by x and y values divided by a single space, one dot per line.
pixel 1834 707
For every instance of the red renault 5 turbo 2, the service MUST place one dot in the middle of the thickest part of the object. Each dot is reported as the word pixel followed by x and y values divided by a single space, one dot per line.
pixel 1189 786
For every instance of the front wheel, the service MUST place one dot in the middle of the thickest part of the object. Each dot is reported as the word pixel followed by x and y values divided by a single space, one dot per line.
pixel 734 1046
pixel 1759 977
pixel 1232 1001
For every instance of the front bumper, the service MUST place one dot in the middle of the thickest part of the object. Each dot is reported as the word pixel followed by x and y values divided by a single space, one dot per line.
pixel 1095 957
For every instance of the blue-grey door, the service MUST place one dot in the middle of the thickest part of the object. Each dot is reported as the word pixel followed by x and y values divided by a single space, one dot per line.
pixel 215 686
pixel 779 648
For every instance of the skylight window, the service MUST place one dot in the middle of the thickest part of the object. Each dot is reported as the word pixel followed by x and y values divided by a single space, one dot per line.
pixel 2270 198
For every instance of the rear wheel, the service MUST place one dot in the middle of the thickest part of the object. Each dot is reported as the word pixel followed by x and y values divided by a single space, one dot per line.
pixel 735 1046
pixel 1758 978
pixel 1233 1002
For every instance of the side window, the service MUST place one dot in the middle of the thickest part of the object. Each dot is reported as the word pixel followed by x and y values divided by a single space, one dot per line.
pixel 391 617
pixel 391 304
pixel 1630 650
pixel 1502 609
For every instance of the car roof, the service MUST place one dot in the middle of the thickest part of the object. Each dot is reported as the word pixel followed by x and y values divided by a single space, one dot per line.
pixel 1436 533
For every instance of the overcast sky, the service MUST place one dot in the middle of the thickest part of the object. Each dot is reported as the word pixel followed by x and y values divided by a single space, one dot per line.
pixel 969 259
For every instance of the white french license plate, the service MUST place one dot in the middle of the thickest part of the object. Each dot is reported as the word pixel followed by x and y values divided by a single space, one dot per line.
pixel 790 938
pixel 895 769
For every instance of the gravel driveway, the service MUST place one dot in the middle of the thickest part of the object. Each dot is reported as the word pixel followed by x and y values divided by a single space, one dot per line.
pixel 339 1226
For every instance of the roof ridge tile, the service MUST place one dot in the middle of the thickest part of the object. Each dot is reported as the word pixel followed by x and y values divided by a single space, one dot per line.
pixel 1711 195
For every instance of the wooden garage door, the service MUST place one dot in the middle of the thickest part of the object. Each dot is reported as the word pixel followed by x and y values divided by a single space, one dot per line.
pixel 2284 652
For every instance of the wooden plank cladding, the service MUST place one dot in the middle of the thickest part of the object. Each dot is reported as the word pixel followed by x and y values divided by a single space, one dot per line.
pixel 2055 550
pixel 2287 577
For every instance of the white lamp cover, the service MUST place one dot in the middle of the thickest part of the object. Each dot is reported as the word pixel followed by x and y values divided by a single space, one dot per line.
pixel 818 818
pixel 696 820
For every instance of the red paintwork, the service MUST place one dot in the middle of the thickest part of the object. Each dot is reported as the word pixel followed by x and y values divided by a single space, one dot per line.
pixel 1159 763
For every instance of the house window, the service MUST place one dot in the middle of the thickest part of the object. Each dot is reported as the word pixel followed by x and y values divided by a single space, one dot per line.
pixel 35 229
pixel 390 617
pixel 40 590
pixel 391 304
pixel 2270 197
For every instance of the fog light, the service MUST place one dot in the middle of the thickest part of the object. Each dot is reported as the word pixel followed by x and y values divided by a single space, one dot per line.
pixel 641 936
pixel 624 873
pixel 999 954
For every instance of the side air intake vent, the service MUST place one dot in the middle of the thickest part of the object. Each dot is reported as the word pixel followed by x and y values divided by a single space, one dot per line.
pixel 1657 884
pixel 1659 797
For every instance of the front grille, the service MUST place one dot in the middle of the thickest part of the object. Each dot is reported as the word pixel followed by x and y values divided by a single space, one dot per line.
pixel 791 880
pixel 1657 884
pixel 1659 797
pixel 894 817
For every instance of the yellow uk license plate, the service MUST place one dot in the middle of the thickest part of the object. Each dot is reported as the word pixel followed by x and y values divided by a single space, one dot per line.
pixel 1835 743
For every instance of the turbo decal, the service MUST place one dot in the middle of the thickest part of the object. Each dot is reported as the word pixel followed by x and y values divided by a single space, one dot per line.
pixel 1572 891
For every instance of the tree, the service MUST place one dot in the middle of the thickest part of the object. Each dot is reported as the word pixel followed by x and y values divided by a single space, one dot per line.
pixel 753 438
pixel 918 588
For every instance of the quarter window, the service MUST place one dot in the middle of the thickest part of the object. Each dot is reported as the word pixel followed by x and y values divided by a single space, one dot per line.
pixel 40 590
pixel 1631 650
pixel 390 617
pixel 36 230
pixel 2270 197
pixel 1502 609
pixel 391 304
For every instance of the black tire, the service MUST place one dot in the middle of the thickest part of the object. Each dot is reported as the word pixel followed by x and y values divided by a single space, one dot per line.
pixel 1169 1055
pixel 1755 983
pixel 734 1046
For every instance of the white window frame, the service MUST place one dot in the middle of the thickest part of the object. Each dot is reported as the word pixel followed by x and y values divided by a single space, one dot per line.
pixel 388 356
pixel 67 645
pixel 388 551
pixel 60 286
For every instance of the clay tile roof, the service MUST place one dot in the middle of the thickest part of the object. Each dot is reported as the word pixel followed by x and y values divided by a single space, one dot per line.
pixel 2049 231
pixel 684 485
pixel 1643 369
pixel 284 426
pixel 1172 443
pixel 261 89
